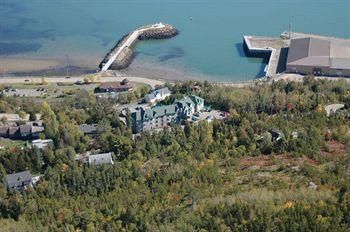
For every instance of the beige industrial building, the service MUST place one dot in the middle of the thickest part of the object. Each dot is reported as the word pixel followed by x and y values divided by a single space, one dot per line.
pixel 319 57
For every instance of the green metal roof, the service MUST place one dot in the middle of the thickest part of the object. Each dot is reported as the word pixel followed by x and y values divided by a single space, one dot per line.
pixel 162 110
pixel 154 112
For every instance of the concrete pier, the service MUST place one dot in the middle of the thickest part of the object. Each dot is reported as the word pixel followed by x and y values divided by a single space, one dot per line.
pixel 276 48
pixel 259 45
pixel 121 55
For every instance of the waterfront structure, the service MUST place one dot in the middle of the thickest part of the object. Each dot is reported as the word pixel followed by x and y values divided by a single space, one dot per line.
pixel 24 132
pixel 319 57
pixel 105 158
pixel 115 87
pixel 19 181
pixel 159 117
pixel 157 95
pixel 41 143
pixel 121 55
pixel 303 54
pixel 259 46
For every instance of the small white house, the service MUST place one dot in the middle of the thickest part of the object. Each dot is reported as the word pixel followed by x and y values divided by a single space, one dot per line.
pixel 333 108
pixel 36 179
pixel 157 95
pixel 41 143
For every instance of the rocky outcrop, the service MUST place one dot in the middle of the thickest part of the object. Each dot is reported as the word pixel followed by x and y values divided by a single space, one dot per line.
pixel 166 32
pixel 125 57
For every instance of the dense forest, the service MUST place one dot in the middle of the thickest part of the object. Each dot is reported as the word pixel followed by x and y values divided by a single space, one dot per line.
pixel 226 175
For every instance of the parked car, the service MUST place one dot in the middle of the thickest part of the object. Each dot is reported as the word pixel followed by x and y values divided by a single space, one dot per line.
pixel 209 118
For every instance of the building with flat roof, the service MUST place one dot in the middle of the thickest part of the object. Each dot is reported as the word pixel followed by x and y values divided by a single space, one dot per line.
pixel 319 57
pixel 42 143
pixel 105 158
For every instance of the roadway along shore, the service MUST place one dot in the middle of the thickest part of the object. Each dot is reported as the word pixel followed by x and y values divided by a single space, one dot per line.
pixel 153 82
pixel 145 80
pixel 27 79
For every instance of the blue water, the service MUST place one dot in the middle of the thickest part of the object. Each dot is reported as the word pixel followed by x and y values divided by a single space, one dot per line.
pixel 210 44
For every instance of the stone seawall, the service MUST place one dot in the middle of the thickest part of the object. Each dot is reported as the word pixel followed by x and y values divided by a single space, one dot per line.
pixel 121 56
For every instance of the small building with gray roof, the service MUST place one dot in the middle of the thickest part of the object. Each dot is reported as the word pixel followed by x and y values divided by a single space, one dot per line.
pixel 19 181
pixel 88 129
pixel 23 132
pixel 319 57
pixel 105 158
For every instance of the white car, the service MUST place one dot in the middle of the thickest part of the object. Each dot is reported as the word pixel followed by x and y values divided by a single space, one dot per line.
pixel 209 118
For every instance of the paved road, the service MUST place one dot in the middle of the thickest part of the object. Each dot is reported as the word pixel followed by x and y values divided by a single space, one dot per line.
pixel 13 80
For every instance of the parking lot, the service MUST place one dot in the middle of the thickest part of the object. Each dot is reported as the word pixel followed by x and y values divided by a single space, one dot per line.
pixel 38 92
pixel 213 114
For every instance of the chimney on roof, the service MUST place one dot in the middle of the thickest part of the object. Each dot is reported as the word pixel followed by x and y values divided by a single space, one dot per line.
pixel 290 30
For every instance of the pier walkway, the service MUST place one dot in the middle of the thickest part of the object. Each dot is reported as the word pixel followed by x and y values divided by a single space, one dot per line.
pixel 129 42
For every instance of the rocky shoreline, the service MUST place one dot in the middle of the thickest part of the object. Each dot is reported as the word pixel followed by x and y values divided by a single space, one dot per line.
pixel 126 55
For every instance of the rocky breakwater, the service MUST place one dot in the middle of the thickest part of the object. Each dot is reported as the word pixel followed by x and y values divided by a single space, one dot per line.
pixel 121 56
pixel 165 32
pixel 124 58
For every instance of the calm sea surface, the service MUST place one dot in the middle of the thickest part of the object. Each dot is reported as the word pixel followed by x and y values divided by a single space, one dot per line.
pixel 210 44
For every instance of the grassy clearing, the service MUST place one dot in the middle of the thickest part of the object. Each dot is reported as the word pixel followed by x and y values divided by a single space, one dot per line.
pixel 8 144
pixel 260 197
